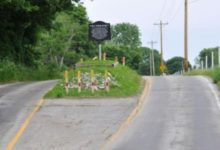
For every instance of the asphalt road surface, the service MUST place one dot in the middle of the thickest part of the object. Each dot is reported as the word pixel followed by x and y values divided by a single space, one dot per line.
pixel 180 113
pixel 16 101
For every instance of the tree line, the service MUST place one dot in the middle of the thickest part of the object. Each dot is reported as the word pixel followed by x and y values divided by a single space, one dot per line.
pixel 55 34
pixel 47 32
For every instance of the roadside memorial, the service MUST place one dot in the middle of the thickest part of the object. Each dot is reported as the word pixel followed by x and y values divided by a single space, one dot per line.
pixel 91 81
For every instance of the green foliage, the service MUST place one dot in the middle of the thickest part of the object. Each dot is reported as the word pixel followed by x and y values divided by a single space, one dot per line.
pixel 21 21
pixel 208 73
pixel 174 64
pixel 137 59
pixel 144 65
pixel 67 41
pixel 126 34
pixel 208 52
pixel 216 75
pixel 129 82
pixel 10 72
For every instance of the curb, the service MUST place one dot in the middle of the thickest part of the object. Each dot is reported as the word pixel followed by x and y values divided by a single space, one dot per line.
pixel 131 116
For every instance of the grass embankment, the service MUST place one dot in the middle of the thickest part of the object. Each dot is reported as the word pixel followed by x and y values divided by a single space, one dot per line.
pixel 128 81
pixel 214 74
pixel 11 72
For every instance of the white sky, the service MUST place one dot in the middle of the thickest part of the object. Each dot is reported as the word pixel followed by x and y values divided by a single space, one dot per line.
pixel 204 22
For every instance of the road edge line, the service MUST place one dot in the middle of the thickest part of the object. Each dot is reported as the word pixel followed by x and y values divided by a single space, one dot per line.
pixel 131 116
pixel 25 124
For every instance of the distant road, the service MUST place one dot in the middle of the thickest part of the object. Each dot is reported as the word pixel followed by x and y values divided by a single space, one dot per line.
pixel 180 113
pixel 16 102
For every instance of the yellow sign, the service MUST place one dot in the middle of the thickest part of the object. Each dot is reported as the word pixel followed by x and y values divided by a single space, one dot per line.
pixel 162 67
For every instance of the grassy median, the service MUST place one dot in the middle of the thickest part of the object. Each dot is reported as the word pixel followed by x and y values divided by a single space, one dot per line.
pixel 127 82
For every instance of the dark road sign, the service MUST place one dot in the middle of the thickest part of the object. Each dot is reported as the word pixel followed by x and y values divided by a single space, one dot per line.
pixel 99 31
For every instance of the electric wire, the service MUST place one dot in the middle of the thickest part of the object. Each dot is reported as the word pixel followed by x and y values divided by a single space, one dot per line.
pixel 170 9
pixel 162 10
pixel 194 1
pixel 176 12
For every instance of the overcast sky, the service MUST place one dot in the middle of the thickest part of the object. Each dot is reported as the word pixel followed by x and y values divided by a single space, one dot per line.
pixel 204 22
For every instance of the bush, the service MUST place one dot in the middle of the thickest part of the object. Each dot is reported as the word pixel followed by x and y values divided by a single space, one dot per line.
pixel 216 75
pixel 10 72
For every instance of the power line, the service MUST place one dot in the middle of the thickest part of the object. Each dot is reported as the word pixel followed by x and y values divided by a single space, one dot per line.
pixel 170 9
pixel 162 10
pixel 193 1
pixel 177 11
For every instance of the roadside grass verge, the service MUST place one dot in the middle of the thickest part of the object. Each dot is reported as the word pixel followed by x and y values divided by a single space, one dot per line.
pixel 129 82
pixel 214 74
pixel 11 72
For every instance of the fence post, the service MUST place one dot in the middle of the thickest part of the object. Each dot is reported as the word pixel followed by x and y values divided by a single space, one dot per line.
pixel 79 81
pixel 92 81
pixel 104 56
pixel 106 81
pixel 66 81
pixel 123 61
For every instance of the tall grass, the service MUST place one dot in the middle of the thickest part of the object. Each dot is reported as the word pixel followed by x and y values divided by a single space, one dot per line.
pixel 11 72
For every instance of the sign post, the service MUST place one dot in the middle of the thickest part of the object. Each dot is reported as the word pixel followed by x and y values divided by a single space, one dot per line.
pixel 100 31
pixel 100 51
pixel 219 56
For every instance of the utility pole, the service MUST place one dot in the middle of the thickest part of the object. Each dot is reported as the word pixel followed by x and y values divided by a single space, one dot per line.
pixel 186 64
pixel 151 72
pixel 212 60
pixel 161 24
pixel 152 48
pixel 219 56
pixel 206 62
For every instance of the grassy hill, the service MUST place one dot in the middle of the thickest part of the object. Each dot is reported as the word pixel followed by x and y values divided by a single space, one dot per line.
pixel 124 81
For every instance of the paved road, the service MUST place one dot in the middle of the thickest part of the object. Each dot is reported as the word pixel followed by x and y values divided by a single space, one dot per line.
pixel 180 113
pixel 62 124
pixel 16 101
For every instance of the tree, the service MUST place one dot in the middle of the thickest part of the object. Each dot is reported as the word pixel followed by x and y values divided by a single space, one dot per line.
pixel 21 21
pixel 137 59
pixel 126 34
pixel 144 65
pixel 208 52
pixel 174 65
pixel 67 41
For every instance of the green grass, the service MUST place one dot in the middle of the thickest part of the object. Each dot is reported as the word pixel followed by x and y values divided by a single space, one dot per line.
pixel 129 82
pixel 214 74
pixel 11 72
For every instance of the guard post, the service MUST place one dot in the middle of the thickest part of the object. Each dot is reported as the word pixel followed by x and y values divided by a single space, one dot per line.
pixel 66 81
